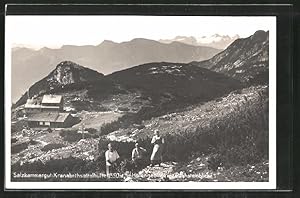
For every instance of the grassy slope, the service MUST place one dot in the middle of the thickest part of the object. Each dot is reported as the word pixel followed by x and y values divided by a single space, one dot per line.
pixel 234 135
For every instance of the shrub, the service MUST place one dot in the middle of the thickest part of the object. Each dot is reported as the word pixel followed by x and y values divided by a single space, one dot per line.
pixel 123 108
pixel 218 99
pixel 81 105
pixel 214 162
pixel 33 142
pixel 94 135
pixel 73 136
pixel 18 126
pixel 139 126
pixel 49 147
pixel 14 140
pixel 107 128
pixel 238 91
pixel 19 147
pixel 70 135
pixel 91 130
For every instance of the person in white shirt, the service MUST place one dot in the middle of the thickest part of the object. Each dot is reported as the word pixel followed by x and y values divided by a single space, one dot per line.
pixel 137 155
pixel 158 142
pixel 111 157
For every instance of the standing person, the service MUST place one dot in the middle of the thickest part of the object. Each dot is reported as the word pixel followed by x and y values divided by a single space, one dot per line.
pixel 158 142
pixel 111 157
pixel 137 155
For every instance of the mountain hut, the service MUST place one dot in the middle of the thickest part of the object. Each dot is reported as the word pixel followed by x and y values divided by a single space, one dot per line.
pixel 51 119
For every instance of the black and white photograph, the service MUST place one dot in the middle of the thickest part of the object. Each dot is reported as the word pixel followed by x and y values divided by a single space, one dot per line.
pixel 140 102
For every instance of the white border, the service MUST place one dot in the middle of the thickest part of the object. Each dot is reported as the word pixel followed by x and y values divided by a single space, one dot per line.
pixel 147 185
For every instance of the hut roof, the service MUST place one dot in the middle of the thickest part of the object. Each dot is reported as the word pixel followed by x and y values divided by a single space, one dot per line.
pixel 48 117
pixel 52 99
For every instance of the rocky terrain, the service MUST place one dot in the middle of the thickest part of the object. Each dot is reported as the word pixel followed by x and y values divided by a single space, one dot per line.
pixel 246 59
pixel 46 152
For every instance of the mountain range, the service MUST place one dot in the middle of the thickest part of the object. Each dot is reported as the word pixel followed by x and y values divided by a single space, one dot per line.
pixel 216 41
pixel 246 59
pixel 106 58
pixel 160 82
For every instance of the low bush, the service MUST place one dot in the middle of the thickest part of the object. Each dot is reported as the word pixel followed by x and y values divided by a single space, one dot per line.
pixel 107 128
pixel 94 135
pixel 19 147
pixel 218 99
pixel 18 126
pixel 81 105
pixel 73 135
pixel 123 109
pixel 49 147
pixel 70 135
pixel 14 140
pixel 91 130
pixel 33 142
pixel 139 126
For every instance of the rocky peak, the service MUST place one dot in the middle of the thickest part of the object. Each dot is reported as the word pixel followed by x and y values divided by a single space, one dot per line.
pixel 259 36
pixel 68 64
pixel 107 43
pixel 68 72
pixel 245 59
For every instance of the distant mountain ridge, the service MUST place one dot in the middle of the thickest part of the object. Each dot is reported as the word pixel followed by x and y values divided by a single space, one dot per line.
pixel 245 59
pixel 106 58
pixel 167 84
pixel 216 41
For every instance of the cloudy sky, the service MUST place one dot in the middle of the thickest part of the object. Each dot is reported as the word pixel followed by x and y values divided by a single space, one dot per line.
pixel 55 31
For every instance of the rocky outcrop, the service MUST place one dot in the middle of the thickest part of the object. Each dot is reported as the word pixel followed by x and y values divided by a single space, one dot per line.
pixel 245 59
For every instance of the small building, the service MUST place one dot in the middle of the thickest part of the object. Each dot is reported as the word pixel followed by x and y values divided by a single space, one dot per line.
pixel 32 106
pixel 48 112
pixel 51 119
pixel 53 101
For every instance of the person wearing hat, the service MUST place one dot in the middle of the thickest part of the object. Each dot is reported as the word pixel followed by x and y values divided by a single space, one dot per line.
pixel 158 142
pixel 137 155
pixel 111 157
